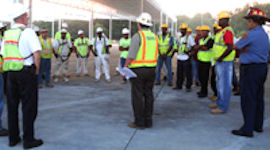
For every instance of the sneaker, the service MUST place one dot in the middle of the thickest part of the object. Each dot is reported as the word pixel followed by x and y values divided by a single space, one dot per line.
pixel 66 79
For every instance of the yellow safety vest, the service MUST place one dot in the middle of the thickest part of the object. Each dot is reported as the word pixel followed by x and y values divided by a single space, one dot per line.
pixel 164 45
pixel 204 56
pixel 219 46
pixel 12 58
pixel 182 47
pixel 46 47
pixel 82 46
pixel 148 51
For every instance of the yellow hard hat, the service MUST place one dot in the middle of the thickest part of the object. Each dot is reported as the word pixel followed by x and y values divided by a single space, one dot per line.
pixel 183 26
pixel 189 30
pixel 216 26
pixel 224 14
pixel 205 28
pixel 164 26
pixel 198 28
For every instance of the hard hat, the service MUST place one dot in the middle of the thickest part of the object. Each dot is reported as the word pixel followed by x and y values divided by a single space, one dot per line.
pixel 216 26
pixel 18 10
pixel 36 28
pixel 189 30
pixel 99 29
pixel 205 28
pixel 145 19
pixel 198 28
pixel 164 26
pixel 1 25
pixel 80 32
pixel 125 31
pixel 64 25
pixel 63 31
pixel 183 26
pixel 224 14
pixel 254 12
pixel 43 30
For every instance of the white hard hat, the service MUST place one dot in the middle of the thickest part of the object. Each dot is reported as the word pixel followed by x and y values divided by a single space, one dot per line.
pixel 80 32
pixel 99 29
pixel 63 31
pixel 18 10
pixel 36 28
pixel 64 25
pixel 145 19
pixel 1 25
pixel 125 31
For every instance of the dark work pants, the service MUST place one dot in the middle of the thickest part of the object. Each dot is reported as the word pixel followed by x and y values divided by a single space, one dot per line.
pixel 213 81
pixel 184 69
pixel 252 79
pixel 203 70
pixel 22 87
pixel 142 95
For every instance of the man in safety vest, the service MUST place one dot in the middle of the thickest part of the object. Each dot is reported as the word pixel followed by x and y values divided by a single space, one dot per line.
pixel 142 59
pixel 3 132
pixel 21 56
pixel 58 34
pixel 46 56
pixel 185 45
pixel 223 54
pixel 166 43
pixel 254 49
pixel 195 75
pixel 62 52
pixel 124 44
pixel 100 48
pixel 204 59
pixel 216 29
pixel 82 46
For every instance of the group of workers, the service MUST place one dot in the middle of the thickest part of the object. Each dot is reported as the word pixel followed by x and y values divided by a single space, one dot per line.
pixel 26 61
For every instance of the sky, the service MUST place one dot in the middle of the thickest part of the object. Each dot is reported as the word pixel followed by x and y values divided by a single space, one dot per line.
pixel 192 7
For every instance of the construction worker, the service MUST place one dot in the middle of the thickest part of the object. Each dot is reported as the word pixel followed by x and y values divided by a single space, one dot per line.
pixel 254 53
pixel 62 51
pixel 46 56
pixel 58 34
pixel 223 54
pixel 195 74
pixel 204 59
pixel 82 46
pixel 3 132
pixel 165 46
pixel 216 29
pixel 124 44
pixel 185 45
pixel 21 56
pixel 100 48
pixel 142 59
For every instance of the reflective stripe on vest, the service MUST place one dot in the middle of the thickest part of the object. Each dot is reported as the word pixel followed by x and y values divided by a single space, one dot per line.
pixel 46 47
pixel 12 58
pixel 164 45
pixel 220 47
pixel 148 51
pixel 204 56
pixel 183 46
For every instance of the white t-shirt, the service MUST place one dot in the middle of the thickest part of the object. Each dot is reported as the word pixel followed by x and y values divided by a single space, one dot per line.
pixel 28 44
pixel 66 46
pixel 99 44
pixel 190 43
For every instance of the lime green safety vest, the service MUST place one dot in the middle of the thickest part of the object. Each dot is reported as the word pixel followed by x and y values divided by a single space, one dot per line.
pixel 148 51
pixel 61 43
pixel 182 47
pixel 58 35
pixel 82 46
pixel 204 56
pixel 46 47
pixel 219 46
pixel 13 59
pixel 103 48
pixel 164 45
pixel 124 43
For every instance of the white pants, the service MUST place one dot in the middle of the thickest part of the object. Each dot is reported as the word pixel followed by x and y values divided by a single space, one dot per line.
pixel 61 66
pixel 82 65
pixel 104 60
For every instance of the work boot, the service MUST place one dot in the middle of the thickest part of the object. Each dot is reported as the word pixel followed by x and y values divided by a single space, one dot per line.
pixel 49 85
pixel 133 125
pixel 188 90
pixel 15 142
pixel 177 88
pixel 213 106
pixel 32 144
pixel 4 132
pixel 213 98
pixel 217 111
pixel 157 83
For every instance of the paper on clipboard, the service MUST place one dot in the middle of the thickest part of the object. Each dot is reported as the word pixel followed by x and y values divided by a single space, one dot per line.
pixel 127 73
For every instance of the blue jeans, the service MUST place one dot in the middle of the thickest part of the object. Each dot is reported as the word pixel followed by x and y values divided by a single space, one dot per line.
pixel 45 69
pixel 168 63
pixel 1 98
pixel 122 62
pixel 195 71
pixel 224 72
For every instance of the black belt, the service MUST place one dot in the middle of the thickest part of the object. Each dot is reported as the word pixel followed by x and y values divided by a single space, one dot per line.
pixel 252 64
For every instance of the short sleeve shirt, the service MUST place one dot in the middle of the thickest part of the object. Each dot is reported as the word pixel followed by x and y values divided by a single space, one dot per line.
pixel 190 43
pixel 124 43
